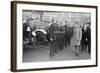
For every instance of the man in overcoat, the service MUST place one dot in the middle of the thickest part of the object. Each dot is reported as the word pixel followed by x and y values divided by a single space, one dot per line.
pixel 76 39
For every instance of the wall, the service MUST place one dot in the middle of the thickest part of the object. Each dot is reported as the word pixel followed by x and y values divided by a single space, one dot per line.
pixel 5 37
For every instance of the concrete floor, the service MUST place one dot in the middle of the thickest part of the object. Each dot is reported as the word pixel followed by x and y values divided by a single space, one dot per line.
pixel 39 53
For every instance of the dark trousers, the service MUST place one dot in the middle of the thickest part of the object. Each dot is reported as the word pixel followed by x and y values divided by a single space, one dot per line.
pixel 61 44
pixel 89 47
pixel 66 41
pixel 69 40
pixel 84 45
pixel 54 46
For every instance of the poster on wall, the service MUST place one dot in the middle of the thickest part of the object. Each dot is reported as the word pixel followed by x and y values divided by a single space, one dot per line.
pixel 47 36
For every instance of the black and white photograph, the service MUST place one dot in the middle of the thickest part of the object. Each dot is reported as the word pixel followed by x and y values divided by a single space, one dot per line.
pixel 53 36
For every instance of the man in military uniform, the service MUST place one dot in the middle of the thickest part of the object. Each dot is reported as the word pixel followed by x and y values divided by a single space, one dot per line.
pixel 53 39
pixel 66 34
pixel 61 36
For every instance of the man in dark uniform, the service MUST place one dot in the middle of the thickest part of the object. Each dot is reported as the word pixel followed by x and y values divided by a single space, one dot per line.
pixel 53 39
pixel 83 41
pixel 66 34
pixel 88 35
pixel 61 37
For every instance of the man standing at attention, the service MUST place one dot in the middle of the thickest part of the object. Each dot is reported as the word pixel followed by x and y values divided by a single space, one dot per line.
pixel 53 39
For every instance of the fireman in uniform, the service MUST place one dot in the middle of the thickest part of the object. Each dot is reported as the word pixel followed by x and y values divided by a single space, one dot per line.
pixel 53 31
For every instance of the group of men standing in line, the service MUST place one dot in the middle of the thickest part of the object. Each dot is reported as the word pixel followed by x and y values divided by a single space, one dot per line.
pixel 60 36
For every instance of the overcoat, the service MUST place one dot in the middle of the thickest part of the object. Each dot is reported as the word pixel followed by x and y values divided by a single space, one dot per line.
pixel 77 35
